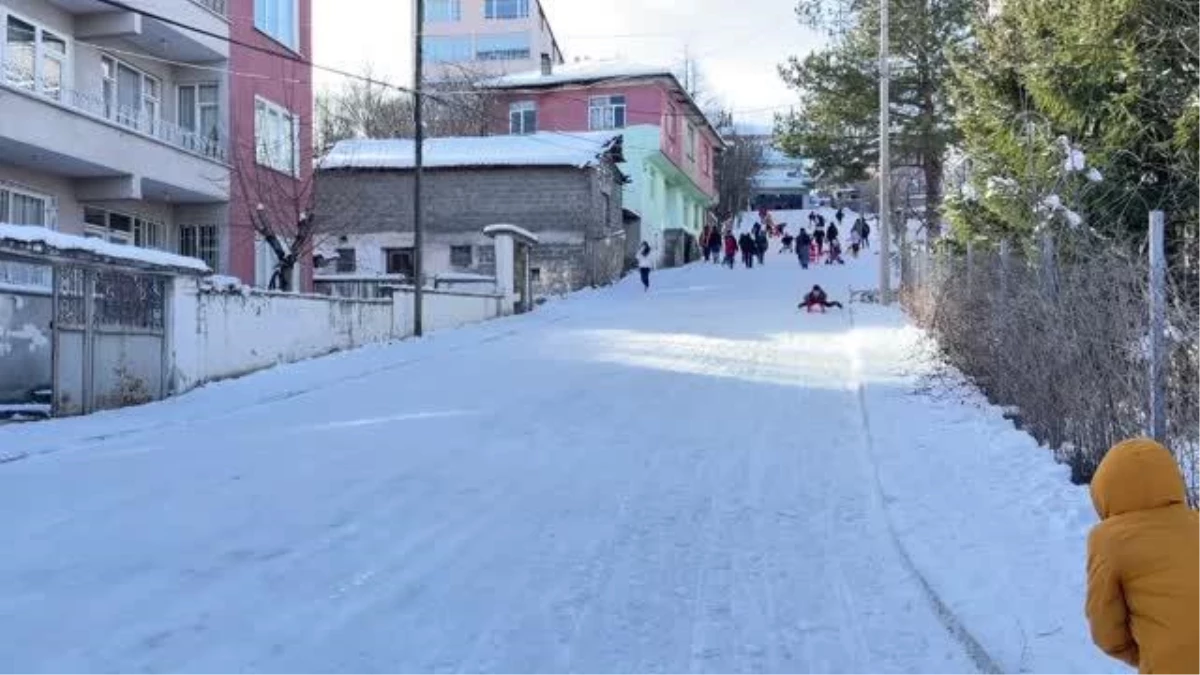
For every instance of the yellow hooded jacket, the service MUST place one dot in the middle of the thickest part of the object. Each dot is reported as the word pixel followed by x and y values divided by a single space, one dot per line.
pixel 1143 565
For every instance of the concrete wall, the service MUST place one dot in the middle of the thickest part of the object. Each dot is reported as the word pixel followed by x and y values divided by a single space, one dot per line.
pixel 214 334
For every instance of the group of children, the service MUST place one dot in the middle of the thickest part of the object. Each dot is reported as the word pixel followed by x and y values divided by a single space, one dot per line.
pixel 826 241
pixel 720 246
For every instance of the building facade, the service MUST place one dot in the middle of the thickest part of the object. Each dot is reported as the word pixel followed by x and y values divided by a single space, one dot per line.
pixel 782 183
pixel 471 38
pixel 670 146
pixel 568 194
pixel 123 124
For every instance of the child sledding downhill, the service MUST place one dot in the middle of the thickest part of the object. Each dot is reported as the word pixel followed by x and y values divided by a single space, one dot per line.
pixel 817 299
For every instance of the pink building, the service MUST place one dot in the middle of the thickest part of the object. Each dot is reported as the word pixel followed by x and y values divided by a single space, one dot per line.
pixel 271 108
pixel 669 143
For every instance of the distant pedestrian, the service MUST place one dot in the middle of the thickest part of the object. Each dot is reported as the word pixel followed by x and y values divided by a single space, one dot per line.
pixel 832 233
pixel 706 235
pixel 839 215
pixel 866 234
pixel 748 248
pixel 819 237
pixel 731 248
pixel 715 243
pixel 760 246
pixel 835 253
pixel 645 259
pixel 804 248
pixel 787 243
pixel 855 241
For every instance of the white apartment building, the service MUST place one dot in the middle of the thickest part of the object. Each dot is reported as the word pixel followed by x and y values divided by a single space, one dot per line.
pixel 486 37
pixel 112 123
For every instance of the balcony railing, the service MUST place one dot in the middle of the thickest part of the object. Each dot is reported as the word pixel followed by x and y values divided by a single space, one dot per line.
pixel 211 145
pixel 215 6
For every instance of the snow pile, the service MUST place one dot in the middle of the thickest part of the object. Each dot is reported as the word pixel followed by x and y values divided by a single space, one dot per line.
pixel 1074 158
pixel 541 149
pixel 580 71
pixel 508 228
pixel 1094 175
pixel 38 235
pixel 220 283
pixel 1000 185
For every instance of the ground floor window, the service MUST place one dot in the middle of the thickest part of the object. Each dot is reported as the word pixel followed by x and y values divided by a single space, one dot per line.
pixel 122 228
pixel 461 256
pixel 199 241
pixel 18 207
pixel 399 261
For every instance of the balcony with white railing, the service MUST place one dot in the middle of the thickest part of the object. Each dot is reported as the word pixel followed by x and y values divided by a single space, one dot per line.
pixel 220 7
pixel 105 109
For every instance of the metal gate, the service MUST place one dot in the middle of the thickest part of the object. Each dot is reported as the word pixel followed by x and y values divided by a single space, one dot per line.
pixel 26 354
pixel 109 338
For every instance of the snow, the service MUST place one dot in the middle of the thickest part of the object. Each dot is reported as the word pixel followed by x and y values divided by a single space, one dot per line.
pixel 223 282
pixel 695 478
pixel 508 228
pixel 541 149
pixel 1094 175
pixel 463 277
pixel 578 72
pixel 35 234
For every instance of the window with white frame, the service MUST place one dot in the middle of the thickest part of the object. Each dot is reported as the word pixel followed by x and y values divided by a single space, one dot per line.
pixel 502 47
pixel 606 112
pixel 199 241
pixel 279 19
pixel 198 112
pixel 123 228
pixel 443 11
pixel 18 207
pixel 522 117
pixel 506 9
pixel 34 58
pixel 706 161
pixel 691 142
pixel 447 49
pixel 276 137
pixel 131 97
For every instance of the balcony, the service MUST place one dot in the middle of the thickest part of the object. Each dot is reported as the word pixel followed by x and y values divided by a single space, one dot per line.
pixel 97 22
pixel 121 151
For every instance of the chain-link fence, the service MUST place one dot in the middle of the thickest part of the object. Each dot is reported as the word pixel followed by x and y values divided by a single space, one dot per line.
pixel 1056 330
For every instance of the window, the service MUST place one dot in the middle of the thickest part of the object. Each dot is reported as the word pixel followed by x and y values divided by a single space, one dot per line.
pixel 502 47
pixel 198 112
pixel 131 97
pixel 345 260
pixel 199 241
pixel 671 122
pixel 276 137
pixel 399 261
pixel 606 112
pixel 506 9
pixel 522 117
pixel 34 58
pixel 535 274
pixel 121 228
pixel 443 11
pixel 278 19
pixel 443 49
pixel 706 163
pixel 21 208
pixel 691 142
pixel 460 256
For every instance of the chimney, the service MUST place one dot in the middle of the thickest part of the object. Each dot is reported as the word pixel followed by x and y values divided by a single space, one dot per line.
pixel 547 64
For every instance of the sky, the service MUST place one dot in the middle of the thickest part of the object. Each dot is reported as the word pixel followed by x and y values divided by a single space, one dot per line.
pixel 736 43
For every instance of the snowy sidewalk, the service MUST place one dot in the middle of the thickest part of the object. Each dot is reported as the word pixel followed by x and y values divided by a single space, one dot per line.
pixel 685 480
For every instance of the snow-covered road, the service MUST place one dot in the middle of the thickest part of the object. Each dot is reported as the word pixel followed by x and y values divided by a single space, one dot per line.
pixel 695 479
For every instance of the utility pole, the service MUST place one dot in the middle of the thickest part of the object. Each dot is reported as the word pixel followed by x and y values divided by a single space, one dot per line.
pixel 418 162
pixel 885 160
pixel 1158 328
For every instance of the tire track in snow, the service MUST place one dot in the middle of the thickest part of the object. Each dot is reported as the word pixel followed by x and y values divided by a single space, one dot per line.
pixel 954 626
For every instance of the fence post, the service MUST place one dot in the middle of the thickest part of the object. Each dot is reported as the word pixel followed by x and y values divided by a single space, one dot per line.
pixel 1158 321
pixel 970 266
pixel 1049 273
pixel 1004 255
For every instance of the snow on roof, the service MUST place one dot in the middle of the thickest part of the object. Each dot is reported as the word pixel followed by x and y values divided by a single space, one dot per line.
pixel 580 71
pixel 463 277
pixel 779 178
pixel 36 234
pixel 506 228
pixel 541 149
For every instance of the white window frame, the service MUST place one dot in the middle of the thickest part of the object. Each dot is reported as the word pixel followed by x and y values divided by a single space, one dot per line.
pixel 202 143
pixel 518 119
pixel 266 22
pixel 38 82
pixel 455 13
pixel 490 7
pixel 265 154
pixel 484 52
pixel 604 108
pixel 10 203
pixel 148 115
pixel 193 235
pixel 143 232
